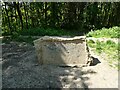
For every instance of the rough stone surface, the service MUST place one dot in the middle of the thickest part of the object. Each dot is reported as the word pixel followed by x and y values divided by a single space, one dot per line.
pixel 62 51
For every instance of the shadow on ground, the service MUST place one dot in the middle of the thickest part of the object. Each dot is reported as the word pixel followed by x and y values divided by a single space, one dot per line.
pixel 21 70
pixel 95 61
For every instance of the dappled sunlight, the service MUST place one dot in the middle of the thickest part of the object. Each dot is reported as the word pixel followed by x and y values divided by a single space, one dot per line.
pixel 28 73
pixel 75 77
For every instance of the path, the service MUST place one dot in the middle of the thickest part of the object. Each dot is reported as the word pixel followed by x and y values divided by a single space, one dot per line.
pixel 106 76
pixel 21 70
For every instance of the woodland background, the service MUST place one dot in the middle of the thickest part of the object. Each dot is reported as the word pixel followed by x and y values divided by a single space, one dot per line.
pixel 70 16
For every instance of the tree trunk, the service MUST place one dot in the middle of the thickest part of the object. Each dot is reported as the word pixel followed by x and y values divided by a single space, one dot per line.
pixel 19 13
pixel 8 19
pixel 26 16
pixel 45 13
pixel 53 14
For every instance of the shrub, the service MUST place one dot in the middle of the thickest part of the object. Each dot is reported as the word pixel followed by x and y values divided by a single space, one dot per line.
pixel 104 32
pixel 43 32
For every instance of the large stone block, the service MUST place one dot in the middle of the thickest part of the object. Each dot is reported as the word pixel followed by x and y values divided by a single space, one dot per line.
pixel 62 51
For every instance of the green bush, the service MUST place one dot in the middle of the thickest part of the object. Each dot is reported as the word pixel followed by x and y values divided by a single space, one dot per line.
pixel 43 32
pixel 104 32
pixel 14 35
pixel 24 39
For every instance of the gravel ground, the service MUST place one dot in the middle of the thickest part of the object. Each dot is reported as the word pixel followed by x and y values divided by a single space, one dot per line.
pixel 20 69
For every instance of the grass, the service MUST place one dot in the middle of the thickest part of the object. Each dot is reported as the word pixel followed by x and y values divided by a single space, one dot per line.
pixel 104 32
pixel 18 39
pixel 35 32
pixel 43 32
pixel 25 39
pixel 110 48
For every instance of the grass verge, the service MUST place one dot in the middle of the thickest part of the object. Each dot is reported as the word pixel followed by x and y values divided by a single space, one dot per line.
pixel 19 39
pixel 104 32
pixel 109 48
pixel 43 32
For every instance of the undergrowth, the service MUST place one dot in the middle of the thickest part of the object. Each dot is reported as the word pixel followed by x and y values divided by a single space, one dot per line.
pixel 104 32
pixel 43 32
pixel 18 39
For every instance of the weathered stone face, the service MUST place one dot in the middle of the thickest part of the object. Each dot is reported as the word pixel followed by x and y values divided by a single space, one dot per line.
pixel 62 51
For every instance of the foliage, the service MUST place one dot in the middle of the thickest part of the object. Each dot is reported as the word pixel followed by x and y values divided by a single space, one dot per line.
pixel 18 39
pixel 17 16
pixel 104 32
pixel 43 32
pixel 25 39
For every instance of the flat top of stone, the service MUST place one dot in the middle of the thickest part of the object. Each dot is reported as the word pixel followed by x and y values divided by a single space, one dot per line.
pixel 56 38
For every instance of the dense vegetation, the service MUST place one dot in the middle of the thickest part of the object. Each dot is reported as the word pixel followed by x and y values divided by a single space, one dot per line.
pixel 34 16
pixel 42 32
pixel 104 32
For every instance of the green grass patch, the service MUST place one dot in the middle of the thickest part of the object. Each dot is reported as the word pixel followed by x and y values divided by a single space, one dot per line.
pixel 110 48
pixel 43 32
pixel 91 43
pixel 17 36
pixel 25 39
pixel 29 39
pixel 104 32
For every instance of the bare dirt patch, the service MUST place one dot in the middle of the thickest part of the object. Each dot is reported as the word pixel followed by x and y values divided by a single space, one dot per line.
pixel 21 70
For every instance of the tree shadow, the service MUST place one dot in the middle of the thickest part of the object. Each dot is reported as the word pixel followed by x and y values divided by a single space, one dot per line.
pixel 78 78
